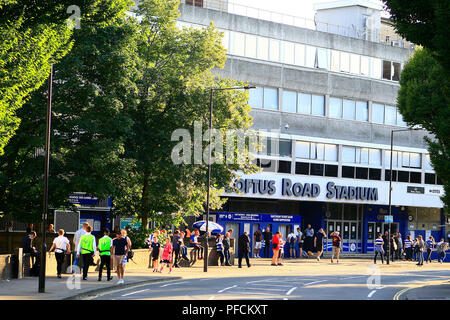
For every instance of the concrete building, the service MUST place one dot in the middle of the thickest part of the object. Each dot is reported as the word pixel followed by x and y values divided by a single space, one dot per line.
pixel 327 101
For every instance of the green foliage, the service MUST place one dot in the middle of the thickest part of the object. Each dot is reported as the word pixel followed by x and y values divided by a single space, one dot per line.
pixel 424 100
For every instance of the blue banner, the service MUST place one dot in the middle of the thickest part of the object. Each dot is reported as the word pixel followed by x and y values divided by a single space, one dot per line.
pixel 258 217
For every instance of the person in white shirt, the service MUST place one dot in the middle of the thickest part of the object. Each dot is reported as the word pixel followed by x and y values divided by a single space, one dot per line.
pixel 292 239
pixel 76 240
pixel 60 245
pixel 299 235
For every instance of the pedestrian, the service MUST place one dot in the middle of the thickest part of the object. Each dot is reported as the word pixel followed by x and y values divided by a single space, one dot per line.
pixel 219 249
pixel 267 236
pixel 337 245
pixel 292 240
pixel 244 249
pixel 299 235
pixel 275 248
pixel 87 248
pixel 309 236
pixel 226 249
pixel 421 247
pixel 76 240
pixel 155 253
pixel 318 242
pixel 187 232
pixel 51 229
pixel 441 247
pixel 28 248
pixel 393 248
pixel 408 248
pixel 378 247
pixel 399 246
pixel 183 248
pixel 105 244
pixel 166 257
pixel 195 243
pixel 61 246
pixel 121 246
pixel 430 246
pixel 416 249
pixel 386 243
pixel 281 251
pixel 176 248
pixel 257 236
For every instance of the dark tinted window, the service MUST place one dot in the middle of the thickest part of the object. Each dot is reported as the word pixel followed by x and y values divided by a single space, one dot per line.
pixel 302 168
pixel 374 174
pixel 285 148
pixel 284 166
pixel 415 177
pixel 430 178
pixel 266 165
pixel 348 172
pixel 316 169
pixel 403 176
pixel 439 181
pixel 386 70
pixel 387 176
pixel 331 170
pixel 362 173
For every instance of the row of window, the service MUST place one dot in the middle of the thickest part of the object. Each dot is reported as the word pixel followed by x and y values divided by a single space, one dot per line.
pixel 305 103
pixel 269 49
pixel 330 170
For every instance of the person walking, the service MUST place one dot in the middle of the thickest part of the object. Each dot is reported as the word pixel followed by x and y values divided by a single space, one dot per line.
pixel 104 250
pixel 166 257
pixel 309 236
pixel 61 246
pixel 244 249
pixel 430 246
pixel 195 243
pixel 76 241
pixel 219 249
pixel 318 242
pixel 415 249
pixel 292 240
pixel 276 248
pixel 257 236
pixel 378 247
pixel 155 253
pixel 281 251
pixel 421 247
pixel 267 236
pixel 441 247
pixel 408 248
pixel 87 248
pixel 176 248
pixel 226 249
pixel 393 247
pixel 183 248
pixel 299 235
pixel 399 246
pixel 337 245
pixel 120 248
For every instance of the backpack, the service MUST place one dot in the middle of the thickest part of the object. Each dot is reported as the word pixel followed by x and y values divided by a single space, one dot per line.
pixel 292 240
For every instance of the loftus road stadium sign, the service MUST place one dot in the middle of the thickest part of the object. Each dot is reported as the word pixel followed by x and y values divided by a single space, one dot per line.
pixel 308 190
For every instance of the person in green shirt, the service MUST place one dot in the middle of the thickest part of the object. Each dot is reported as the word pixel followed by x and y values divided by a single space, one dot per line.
pixel 104 250
pixel 86 248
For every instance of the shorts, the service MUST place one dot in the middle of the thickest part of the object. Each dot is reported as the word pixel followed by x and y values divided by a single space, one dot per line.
pixel 118 260
pixel 155 258
pixel 292 245
pixel 165 261
pixel 257 245
pixel 319 247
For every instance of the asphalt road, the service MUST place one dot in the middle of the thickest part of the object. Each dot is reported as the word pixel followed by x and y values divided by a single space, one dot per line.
pixel 435 284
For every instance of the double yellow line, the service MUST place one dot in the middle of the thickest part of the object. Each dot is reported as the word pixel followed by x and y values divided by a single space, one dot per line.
pixel 398 294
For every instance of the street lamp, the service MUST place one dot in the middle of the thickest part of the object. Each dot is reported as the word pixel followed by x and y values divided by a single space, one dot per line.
pixel 211 95
pixel 390 187
pixel 46 173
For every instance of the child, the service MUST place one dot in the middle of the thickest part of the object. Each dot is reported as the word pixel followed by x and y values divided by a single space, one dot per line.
pixel 155 247
pixel 167 256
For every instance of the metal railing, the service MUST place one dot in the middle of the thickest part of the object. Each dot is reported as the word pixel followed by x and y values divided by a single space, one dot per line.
pixel 298 21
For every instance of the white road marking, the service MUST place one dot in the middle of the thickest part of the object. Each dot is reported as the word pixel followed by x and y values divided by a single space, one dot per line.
pixel 265 280
pixel 371 293
pixel 255 293
pixel 290 291
pixel 223 290
pixel 352 277
pixel 307 284
pixel 170 284
pixel 129 294
pixel 269 285
pixel 285 298
pixel 270 289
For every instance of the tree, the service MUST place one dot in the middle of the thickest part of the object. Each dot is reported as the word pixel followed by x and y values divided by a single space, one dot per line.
pixel 173 93
pixel 424 22
pixel 91 86
pixel 424 100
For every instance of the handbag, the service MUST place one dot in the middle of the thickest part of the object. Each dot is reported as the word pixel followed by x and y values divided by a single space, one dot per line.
pixel 274 245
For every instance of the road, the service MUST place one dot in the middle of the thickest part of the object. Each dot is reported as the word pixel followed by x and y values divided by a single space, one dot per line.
pixel 267 285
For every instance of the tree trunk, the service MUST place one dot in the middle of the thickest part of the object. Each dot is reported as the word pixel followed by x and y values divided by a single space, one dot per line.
pixel 145 203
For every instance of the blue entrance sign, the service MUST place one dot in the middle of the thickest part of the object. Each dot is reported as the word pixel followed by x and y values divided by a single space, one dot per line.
pixel 388 219
pixel 258 217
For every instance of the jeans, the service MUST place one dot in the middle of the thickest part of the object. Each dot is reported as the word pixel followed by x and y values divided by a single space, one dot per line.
pixel 105 260
pixel 441 256
pixel 221 257
pixel 243 255
pixel 198 249
pixel 429 255
pixel 266 248
pixel 59 261
pixel 176 255
pixel 381 253
pixel 420 258
pixel 227 255
pixel 408 253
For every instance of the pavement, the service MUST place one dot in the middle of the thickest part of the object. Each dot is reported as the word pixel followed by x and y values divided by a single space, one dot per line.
pixel 352 279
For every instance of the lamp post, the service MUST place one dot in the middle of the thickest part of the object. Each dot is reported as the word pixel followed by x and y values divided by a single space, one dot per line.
pixel 46 173
pixel 390 187
pixel 211 104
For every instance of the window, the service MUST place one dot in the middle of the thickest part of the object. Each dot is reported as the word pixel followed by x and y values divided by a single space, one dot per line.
pixel 289 55
pixel 239 44
pixel 354 63
pixel 348 172
pixel 226 39
pixel 364 158
pixel 266 165
pixel 274 50
pixel 302 168
pixel 322 58
pixel 334 64
pixel 318 105
pixel 402 176
pixel 331 152
pixel 335 107
pixel 304 103
pixel 331 170
pixel 284 166
pixel 348 109
pixel 362 173
pixel 396 71
pixel 374 174
pixel 414 160
pixel 430 178
pixel 299 54
pixel 289 101
pixel 348 154
pixel 361 155
pixel 250 46
pixel 362 111
pixel 270 98
pixel 428 165
pixel 263 49
pixel 256 97
pixel 317 169
pixel 365 65
pixel 390 115
pixel 302 150
pixel 285 147
pixel 415 177
pixel 377 113
pixel 400 121
pixel 394 159
pixel 316 151
pixel 310 56
pixel 275 147
pixel 387 70
pixel 345 62
pixel 376 68
pixel 375 157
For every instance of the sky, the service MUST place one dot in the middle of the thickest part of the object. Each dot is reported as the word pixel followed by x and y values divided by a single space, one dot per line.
pixel 300 8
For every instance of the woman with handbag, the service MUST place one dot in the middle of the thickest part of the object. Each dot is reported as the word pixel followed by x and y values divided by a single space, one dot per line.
pixel 276 248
